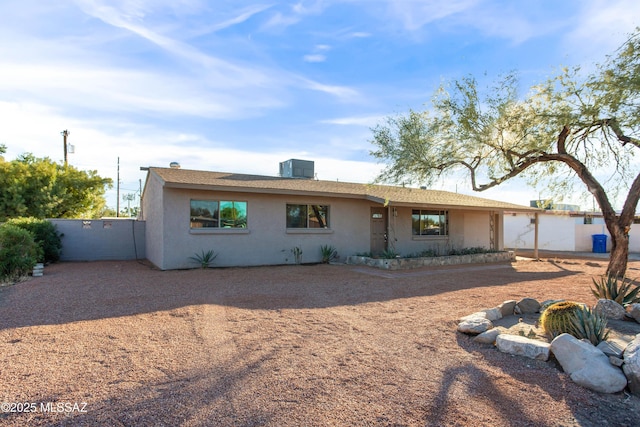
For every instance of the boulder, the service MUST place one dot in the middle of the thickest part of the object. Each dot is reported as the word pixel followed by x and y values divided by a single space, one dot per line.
pixel 475 325
pixel 521 346
pixel 586 365
pixel 478 314
pixel 493 314
pixel 489 337
pixel 609 309
pixel 545 304
pixel 507 307
pixel 633 311
pixel 631 365
pixel 613 347
pixel 527 306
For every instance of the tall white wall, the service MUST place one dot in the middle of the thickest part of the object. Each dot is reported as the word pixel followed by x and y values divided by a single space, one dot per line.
pixel 555 231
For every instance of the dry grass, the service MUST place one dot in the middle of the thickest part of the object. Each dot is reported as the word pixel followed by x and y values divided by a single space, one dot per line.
pixel 287 346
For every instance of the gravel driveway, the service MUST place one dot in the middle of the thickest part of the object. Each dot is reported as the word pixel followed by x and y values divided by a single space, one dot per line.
pixel 123 344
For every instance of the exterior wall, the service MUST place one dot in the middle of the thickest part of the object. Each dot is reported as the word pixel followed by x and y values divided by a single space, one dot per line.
pixel 466 229
pixel 555 231
pixel 101 239
pixel 266 239
pixel 153 214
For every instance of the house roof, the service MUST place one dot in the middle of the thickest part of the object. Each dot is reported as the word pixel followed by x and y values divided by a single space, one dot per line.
pixel 383 194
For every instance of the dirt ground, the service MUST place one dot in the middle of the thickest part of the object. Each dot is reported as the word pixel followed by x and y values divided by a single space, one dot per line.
pixel 123 344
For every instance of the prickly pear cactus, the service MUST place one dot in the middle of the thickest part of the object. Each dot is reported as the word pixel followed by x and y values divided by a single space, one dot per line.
pixel 558 318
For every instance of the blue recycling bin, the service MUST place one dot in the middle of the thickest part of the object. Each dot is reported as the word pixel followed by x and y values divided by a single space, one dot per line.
pixel 599 243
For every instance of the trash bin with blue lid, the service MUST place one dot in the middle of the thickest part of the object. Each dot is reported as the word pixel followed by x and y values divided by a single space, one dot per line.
pixel 599 243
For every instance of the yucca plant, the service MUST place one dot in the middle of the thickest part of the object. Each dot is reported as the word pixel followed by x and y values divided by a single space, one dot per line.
pixel 205 258
pixel 389 254
pixel 622 291
pixel 329 253
pixel 589 325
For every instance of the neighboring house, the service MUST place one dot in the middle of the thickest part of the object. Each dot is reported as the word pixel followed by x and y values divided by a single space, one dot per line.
pixel 561 230
pixel 258 220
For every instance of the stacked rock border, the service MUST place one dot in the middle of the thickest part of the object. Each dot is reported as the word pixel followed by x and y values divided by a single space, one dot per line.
pixel 609 367
pixel 409 263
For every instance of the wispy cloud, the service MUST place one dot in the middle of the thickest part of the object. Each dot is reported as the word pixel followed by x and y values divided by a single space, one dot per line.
pixel 368 121
pixel 316 57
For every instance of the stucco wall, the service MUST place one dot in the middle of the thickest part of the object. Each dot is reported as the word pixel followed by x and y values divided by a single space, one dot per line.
pixel 152 214
pixel 102 239
pixel 555 232
pixel 466 229
pixel 266 239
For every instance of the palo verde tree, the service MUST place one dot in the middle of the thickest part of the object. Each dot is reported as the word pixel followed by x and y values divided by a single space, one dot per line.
pixel 42 188
pixel 574 125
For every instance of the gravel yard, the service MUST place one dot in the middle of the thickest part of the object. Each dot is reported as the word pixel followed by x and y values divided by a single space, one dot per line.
pixel 123 344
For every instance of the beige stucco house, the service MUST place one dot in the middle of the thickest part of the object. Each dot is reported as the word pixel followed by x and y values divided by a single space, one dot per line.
pixel 258 220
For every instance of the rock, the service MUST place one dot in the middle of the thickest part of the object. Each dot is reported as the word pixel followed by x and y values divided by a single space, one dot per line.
pixel 586 365
pixel 493 314
pixel 489 337
pixel 613 347
pixel 633 311
pixel 521 346
pixel 610 309
pixel 475 325
pixel 616 361
pixel 527 306
pixel 478 314
pixel 506 308
pixel 631 366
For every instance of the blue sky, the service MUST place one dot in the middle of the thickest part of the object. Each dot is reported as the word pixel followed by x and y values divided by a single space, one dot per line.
pixel 241 85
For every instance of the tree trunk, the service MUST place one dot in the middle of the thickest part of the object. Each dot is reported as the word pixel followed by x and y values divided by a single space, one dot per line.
pixel 619 251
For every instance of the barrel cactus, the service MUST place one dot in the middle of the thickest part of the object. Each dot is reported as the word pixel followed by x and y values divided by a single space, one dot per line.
pixel 558 318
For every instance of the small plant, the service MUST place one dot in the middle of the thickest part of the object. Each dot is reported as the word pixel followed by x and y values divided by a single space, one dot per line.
pixel 389 254
pixel 365 254
pixel 205 259
pixel 329 253
pixel 622 291
pixel 297 254
pixel 589 325
pixel 558 318
pixel 44 233
pixel 18 253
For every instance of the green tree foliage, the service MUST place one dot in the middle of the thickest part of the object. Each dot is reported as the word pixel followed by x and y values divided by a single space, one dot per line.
pixel 41 188
pixel 44 234
pixel 18 252
pixel 574 125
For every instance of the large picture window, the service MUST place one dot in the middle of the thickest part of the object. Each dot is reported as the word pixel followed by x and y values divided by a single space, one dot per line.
pixel 218 214
pixel 307 216
pixel 429 223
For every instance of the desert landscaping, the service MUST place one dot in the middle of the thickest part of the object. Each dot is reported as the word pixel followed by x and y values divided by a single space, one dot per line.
pixel 122 344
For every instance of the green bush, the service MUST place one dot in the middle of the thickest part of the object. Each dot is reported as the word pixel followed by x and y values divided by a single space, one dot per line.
pixel 19 253
pixel 44 234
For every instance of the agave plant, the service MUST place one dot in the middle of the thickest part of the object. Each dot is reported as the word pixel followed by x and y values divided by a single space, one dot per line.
pixel 329 253
pixel 389 254
pixel 622 291
pixel 589 325
pixel 205 258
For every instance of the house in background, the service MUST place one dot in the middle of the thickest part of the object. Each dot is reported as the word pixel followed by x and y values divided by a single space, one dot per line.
pixel 258 220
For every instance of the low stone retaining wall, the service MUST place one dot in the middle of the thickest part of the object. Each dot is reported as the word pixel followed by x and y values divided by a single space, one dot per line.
pixel 408 263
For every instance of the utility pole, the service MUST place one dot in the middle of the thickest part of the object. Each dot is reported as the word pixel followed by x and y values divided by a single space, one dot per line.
pixel 118 191
pixel 65 133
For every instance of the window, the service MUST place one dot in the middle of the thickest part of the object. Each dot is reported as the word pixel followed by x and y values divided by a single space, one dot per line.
pixel 307 216
pixel 429 223
pixel 218 214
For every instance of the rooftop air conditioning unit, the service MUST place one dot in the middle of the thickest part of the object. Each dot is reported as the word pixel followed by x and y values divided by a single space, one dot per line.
pixel 294 168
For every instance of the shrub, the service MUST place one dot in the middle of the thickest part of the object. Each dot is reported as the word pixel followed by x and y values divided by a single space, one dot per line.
pixel 558 318
pixel 44 234
pixel 329 253
pixel 19 253
pixel 389 254
pixel 624 292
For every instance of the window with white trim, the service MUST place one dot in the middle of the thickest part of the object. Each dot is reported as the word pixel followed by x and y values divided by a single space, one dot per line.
pixel 218 214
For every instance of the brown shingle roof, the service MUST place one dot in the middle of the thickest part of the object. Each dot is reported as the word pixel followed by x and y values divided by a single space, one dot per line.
pixel 221 181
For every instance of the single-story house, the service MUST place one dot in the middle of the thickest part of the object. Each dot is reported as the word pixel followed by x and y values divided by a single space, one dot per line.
pixel 261 220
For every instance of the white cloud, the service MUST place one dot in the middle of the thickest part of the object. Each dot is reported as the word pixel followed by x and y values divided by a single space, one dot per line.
pixel 316 57
pixel 368 121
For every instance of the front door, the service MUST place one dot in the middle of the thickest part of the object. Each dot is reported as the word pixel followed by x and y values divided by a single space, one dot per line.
pixel 378 230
